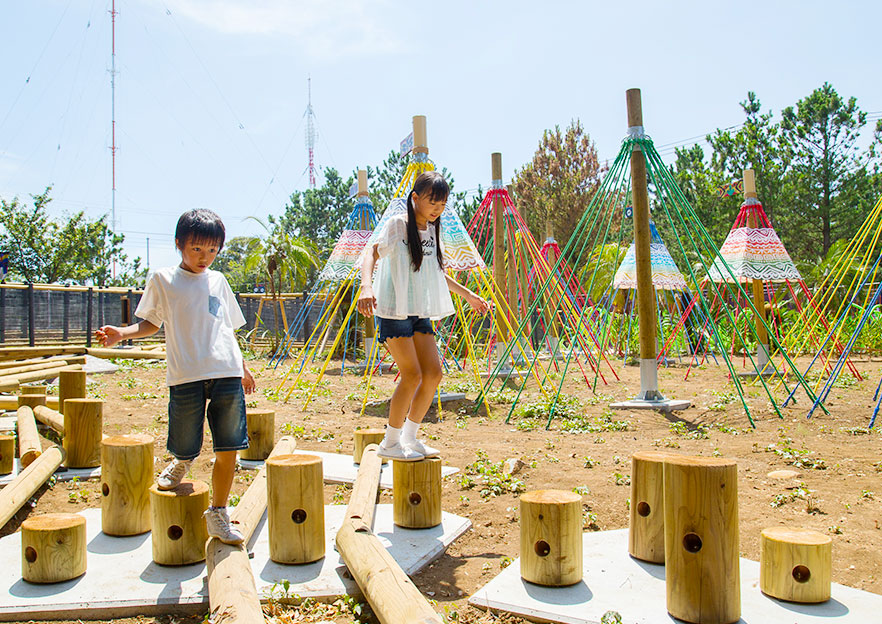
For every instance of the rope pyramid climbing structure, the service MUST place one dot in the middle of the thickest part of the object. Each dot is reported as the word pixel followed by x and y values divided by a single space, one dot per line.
pixel 638 172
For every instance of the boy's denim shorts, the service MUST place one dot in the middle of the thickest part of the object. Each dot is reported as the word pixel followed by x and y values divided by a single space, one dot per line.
pixel 226 416
pixel 403 328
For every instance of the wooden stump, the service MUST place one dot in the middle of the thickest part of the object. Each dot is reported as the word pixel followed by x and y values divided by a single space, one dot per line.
pixel 295 508
pixel 701 539
pixel 646 533
pixel 82 432
pixel 551 537
pixel 36 389
pixel 796 564
pixel 31 400
pixel 29 447
pixel 261 434
pixel 7 453
pixel 416 493
pixel 53 547
pixel 179 532
pixel 364 437
pixel 126 477
pixel 71 385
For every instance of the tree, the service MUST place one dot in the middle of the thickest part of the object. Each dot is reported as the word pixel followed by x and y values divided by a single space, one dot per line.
pixel 557 186
pixel 72 250
pixel 821 134
pixel 239 261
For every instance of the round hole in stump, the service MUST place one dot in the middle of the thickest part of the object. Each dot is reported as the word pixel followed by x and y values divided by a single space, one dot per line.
pixel 801 574
pixel 175 532
pixel 105 489
pixel 643 508
pixel 691 542
pixel 542 548
pixel 30 554
pixel 414 498
pixel 298 516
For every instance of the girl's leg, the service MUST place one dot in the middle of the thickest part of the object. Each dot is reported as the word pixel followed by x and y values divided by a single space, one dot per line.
pixel 405 356
pixel 430 367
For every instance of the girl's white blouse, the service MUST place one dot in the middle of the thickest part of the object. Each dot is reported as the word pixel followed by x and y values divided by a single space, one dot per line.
pixel 401 291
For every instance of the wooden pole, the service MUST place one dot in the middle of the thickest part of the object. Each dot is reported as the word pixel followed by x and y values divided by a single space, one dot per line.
pixel 759 298
pixel 50 418
pixel 392 595
pixel 499 264
pixel 28 481
pixel 71 385
pixel 369 326
pixel 232 593
pixel 420 136
pixel 29 447
pixel 83 423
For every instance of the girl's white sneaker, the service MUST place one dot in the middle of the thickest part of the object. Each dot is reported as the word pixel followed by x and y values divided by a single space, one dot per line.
pixel 399 452
pixel 422 449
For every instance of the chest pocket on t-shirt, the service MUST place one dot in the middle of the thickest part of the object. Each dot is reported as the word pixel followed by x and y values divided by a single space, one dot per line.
pixel 214 305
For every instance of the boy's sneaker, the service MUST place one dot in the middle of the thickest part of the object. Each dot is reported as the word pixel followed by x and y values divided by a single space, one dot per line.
pixel 218 522
pixel 422 449
pixel 171 477
pixel 399 452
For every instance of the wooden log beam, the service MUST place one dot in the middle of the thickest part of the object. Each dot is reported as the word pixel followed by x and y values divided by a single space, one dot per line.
pixel 9 403
pixel 29 447
pixel 232 592
pixel 28 481
pixel 70 359
pixel 129 354
pixel 392 595
pixel 11 383
pixel 50 418
pixel 17 353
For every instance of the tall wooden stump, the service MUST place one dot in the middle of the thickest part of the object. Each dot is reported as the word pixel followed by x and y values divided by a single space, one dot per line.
pixel 295 508
pixel 416 493
pixel 29 447
pixel 364 437
pixel 7 453
pixel 646 532
pixel 796 564
pixel 71 385
pixel 83 422
pixel 179 532
pixel 126 477
pixel 261 434
pixel 551 537
pixel 53 547
pixel 31 400
pixel 701 539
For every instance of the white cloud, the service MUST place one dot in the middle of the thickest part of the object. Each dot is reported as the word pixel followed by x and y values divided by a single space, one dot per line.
pixel 323 28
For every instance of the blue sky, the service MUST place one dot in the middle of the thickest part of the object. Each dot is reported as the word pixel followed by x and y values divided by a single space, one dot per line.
pixel 210 93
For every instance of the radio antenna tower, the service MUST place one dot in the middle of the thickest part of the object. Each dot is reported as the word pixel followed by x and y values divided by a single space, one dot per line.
pixel 311 134
pixel 113 14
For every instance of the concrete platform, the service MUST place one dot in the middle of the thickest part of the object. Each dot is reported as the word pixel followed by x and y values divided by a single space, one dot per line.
pixel 339 468
pixel 122 580
pixel 62 474
pixel 613 581
pixel 665 405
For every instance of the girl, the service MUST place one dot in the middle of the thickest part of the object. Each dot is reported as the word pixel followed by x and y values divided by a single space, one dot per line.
pixel 412 291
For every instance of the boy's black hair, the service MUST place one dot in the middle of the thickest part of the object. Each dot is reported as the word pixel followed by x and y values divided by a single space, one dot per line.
pixel 200 225
pixel 432 184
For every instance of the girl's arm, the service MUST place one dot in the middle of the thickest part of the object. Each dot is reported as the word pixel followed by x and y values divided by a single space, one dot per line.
pixel 366 301
pixel 474 300
pixel 109 335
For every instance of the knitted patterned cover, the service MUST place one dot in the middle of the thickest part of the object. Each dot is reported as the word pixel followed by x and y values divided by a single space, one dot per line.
pixel 665 274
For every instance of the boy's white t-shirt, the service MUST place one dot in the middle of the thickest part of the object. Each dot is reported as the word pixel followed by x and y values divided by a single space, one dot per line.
pixel 401 291
pixel 200 314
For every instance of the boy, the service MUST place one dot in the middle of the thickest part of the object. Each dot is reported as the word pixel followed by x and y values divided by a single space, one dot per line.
pixel 203 359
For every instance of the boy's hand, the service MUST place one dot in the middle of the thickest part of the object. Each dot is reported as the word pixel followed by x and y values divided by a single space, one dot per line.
pixel 248 383
pixel 108 335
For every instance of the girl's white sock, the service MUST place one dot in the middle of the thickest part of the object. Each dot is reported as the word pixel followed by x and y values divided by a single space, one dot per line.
pixel 392 436
pixel 409 430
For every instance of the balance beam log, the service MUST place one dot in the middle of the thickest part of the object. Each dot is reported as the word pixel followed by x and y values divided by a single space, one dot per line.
pixel 50 418
pixel 83 422
pixel 28 481
pixel 7 454
pixel 232 592
pixel 17 353
pixel 71 385
pixel 11 383
pixel 129 354
pixel 29 447
pixel 57 359
pixel 392 595
pixel 10 403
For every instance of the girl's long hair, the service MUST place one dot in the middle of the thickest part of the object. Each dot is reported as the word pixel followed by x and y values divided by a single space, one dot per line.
pixel 433 184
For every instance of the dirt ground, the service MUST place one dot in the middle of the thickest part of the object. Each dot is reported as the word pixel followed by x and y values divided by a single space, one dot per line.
pixel 837 489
